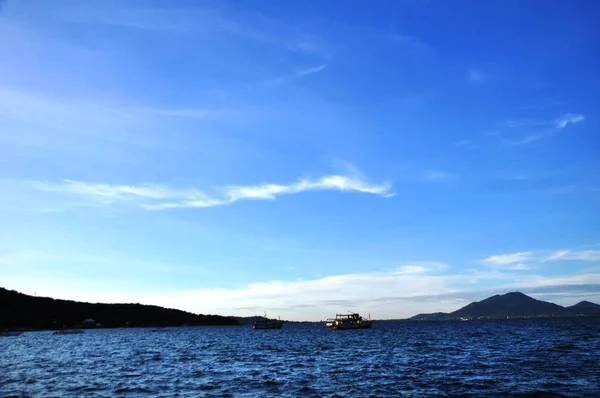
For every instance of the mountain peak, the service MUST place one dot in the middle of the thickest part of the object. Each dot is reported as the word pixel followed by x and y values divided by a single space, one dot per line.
pixel 509 305
pixel 513 305
pixel 585 306
pixel 585 302
pixel 515 294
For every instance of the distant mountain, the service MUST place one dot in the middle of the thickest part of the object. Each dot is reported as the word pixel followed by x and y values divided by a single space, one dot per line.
pixel 513 305
pixel 510 304
pixel 584 307
pixel 21 311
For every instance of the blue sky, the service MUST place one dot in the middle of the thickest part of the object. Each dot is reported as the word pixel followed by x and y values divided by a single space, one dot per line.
pixel 300 158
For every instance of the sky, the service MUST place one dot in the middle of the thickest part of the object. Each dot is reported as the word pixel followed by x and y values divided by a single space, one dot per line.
pixel 300 158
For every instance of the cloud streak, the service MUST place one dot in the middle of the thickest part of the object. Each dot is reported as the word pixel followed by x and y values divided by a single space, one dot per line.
pixel 525 140
pixel 570 255
pixel 569 118
pixel 476 76
pixel 467 144
pixel 160 197
pixel 542 128
pixel 298 74
pixel 436 176
pixel 508 259
pixel 517 261
pixel 393 293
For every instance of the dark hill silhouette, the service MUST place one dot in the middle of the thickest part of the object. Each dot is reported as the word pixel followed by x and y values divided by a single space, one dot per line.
pixel 513 305
pixel 584 307
pixel 22 311
pixel 510 304
pixel 436 316
pixel 249 320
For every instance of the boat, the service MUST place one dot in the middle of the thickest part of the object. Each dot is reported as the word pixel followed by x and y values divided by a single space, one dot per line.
pixel 349 321
pixel 8 334
pixel 266 323
pixel 68 331
pixel 159 329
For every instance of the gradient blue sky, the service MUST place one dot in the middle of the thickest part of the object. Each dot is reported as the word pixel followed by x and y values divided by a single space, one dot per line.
pixel 302 158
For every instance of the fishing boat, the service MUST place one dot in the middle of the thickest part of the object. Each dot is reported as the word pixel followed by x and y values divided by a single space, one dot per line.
pixel 349 321
pixel 266 323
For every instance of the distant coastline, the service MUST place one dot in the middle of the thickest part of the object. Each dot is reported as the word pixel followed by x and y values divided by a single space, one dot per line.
pixel 512 306
pixel 19 311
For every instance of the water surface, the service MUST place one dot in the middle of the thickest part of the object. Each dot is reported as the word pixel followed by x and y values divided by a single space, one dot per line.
pixel 557 357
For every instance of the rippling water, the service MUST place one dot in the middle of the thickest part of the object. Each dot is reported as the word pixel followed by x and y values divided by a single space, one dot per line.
pixel 491 358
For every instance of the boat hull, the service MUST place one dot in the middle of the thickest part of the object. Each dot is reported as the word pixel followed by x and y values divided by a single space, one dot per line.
pixel 267 325
pixel 362 325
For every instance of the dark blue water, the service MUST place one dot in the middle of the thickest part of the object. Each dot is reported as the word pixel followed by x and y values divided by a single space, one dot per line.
pixel 493 358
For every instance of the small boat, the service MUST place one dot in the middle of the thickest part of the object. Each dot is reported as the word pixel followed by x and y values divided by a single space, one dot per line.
pixel 8 334
pixel 160 329
pixel 349 321
pixel 262 324
pixel 68 331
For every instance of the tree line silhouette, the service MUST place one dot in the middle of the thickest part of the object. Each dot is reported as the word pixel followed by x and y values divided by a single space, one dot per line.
pixel 21 311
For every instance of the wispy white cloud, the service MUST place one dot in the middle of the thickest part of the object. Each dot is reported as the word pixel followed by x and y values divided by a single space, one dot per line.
pixel 518 123
pixel 522 260
pixel 297 74
pixel 569 118
pixel 51 115
pixel 400 292
pixel 313 46
pixel 421 268
pixel 561 254
pixel 524 140
pixel 588 278
pixel 412 270
pixel 61 113
pixel 520 267
pixel 108 193
pixel 476 76
pixel 464 144
pixel 539 128
pixel 310 71
pixel 436 175
pixel 192 113
pixel 583 255
pixel 559 123
pixel 508 259
pixel 295 298
pixel 199 20
pixel 159 197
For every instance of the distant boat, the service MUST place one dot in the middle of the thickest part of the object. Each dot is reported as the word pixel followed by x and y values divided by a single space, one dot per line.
pixel 266 323
pixel 8 334
pixel 349 321
pixel 68 331
pixel 160 329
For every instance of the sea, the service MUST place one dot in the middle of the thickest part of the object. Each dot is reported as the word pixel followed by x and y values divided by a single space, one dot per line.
pixel 527 357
